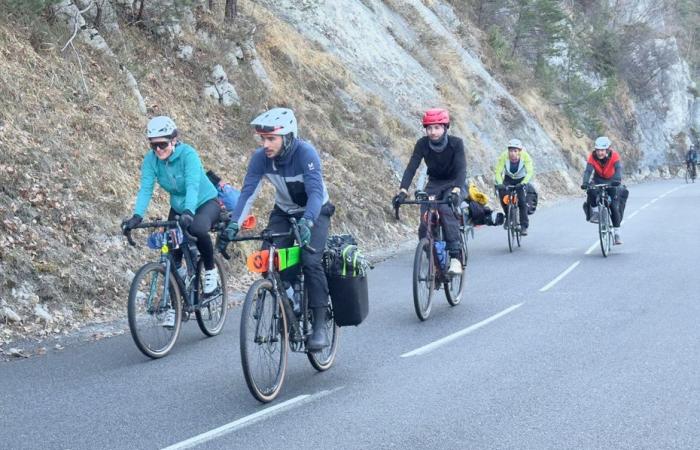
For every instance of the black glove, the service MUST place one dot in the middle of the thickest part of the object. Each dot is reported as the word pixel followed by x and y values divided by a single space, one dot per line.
pixel 186 219
pixel 615 184
pixel 128 224
pixel 398 199
pixel 584 186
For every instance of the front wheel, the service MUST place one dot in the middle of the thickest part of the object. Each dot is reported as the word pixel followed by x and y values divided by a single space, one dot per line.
pixel 155 313
pixel 687 175
pixel 263 341
pixel 423 278
pixel 510 221
pixel 323 360
pixel 454 288
pixel 211 315
pixel 605 231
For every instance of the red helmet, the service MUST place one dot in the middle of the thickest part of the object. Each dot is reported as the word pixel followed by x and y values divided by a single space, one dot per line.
pixel 435 116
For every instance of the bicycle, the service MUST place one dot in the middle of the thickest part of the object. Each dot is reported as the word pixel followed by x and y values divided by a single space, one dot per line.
pixel 150 303
pixel 428 273
pixel 605 226
pixel 512 220
pixel 271 324
pixel 690 172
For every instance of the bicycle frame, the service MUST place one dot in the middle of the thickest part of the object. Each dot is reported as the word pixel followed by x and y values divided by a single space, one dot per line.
pixel 297 332
pixel 431 218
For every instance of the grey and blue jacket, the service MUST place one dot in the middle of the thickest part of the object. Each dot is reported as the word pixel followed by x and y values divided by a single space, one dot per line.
pixel 181 175
pixel 296 175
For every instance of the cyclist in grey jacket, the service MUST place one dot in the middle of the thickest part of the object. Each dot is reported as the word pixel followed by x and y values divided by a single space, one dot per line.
pixel 294 169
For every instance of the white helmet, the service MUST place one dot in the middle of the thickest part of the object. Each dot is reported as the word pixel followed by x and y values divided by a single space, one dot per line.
pixel 279 121
pixel 515 143
pixel 602 143
pixel 161 126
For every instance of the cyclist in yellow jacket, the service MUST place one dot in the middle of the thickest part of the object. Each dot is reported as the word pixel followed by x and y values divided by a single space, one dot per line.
pixel 515 168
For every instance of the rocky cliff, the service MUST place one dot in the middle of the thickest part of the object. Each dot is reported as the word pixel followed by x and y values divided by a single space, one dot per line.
pixel 78 80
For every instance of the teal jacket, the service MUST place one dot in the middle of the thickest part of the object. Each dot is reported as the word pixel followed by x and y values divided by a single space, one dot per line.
pixel 181 175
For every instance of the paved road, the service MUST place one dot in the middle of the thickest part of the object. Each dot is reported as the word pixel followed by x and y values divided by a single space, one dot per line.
pixel 608 356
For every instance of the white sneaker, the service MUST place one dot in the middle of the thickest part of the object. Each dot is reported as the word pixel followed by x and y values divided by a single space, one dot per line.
pixel 211 281
pixel 169 319
pixel 455 267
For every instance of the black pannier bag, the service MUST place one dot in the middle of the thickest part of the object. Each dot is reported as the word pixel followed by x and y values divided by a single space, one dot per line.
pixel 346 272
pixel 531 199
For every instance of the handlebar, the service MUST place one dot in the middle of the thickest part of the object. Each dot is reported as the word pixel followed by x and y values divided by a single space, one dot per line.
pixel 422 198
pixel 153 224
pixel 268 236
pixel 169 224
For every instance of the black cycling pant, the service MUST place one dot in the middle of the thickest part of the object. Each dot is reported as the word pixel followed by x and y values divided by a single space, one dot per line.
pixel 522 200
pixel 204 218
pixel 311 263
pixel 448 220
pixel 614 193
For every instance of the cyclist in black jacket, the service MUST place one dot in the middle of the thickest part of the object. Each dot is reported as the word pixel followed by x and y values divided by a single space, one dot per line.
pixel 444 156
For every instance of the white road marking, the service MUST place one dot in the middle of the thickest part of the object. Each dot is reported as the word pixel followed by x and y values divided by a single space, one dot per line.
pixel 559 277
pixel 248 420
pixel 591 248
pixel 447 339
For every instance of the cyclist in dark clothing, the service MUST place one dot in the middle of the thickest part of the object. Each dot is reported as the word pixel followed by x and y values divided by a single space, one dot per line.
pixel 691 161
pixel 444 156
pixel 293 167
pixel 606 167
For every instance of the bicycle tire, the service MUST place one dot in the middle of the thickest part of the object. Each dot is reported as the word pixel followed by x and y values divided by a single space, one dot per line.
pixel 605 231
pixel 143 313
pixel 212 316
pixel 263 327
pixel 687 175
pixel 509 221
pixel 423 280
pixel 454 289
pixel 516 228
pixel 323 360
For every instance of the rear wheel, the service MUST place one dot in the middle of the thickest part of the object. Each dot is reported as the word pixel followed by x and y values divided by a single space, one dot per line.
pixel 149 306
pixel 605 231
pixel 211 315
pixel 423 278
pixel 263 341
pixel 323 360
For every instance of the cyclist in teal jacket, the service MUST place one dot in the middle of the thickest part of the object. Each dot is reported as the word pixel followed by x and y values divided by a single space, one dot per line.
pixel 178 170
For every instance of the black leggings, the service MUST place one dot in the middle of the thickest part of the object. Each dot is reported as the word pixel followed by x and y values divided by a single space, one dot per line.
pixel 205 216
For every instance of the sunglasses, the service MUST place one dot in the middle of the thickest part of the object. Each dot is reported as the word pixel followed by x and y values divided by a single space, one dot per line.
pixel 160 145
pixel 513 149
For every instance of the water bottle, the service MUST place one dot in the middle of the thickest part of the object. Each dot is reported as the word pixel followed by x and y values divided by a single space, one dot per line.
pixel 296 299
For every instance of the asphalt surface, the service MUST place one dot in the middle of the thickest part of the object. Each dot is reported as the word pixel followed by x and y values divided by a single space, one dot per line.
pixel 605 356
